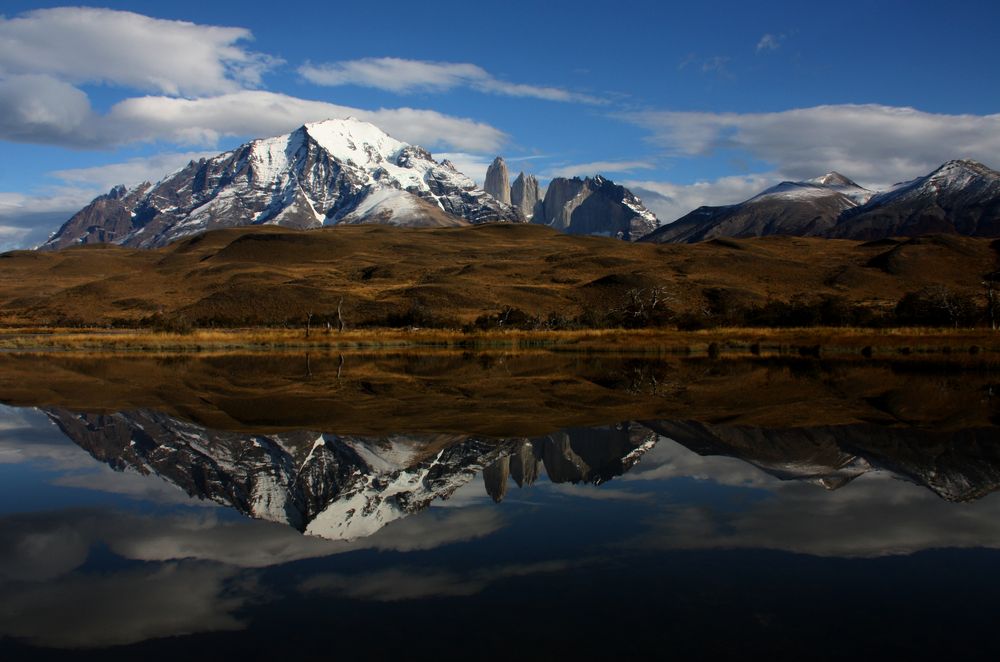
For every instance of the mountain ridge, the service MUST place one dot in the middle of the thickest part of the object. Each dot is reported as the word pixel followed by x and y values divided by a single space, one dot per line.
pixel 959 197
pixel 312 177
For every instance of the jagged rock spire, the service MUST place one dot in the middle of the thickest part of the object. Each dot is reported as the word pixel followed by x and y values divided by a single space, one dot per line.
pixel 498 181
pixel 524 194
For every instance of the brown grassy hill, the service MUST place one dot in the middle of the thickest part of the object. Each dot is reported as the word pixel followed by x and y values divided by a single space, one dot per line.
pixel 267 275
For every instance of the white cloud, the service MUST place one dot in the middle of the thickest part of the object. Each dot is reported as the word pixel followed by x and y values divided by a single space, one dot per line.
pixel 37 108
pixel 90 45
pixel 11 233
pixel 769 42
pixel 55 199
pixel 198 74
pixel 670 201
pixel 873 144
pixel 471 165
pixel 259 113
pixel 597 168
pixel 134 171
pixel 403 76
pixel 204 121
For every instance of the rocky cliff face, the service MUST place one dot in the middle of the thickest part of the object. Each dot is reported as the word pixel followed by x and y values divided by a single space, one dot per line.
pixel 498 181
pixel 524 194
pixel 594 206
pixel 317 175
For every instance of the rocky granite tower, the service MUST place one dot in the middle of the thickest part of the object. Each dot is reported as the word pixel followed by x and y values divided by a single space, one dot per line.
pixel 594 206
pixel 524 194
pixel 498 181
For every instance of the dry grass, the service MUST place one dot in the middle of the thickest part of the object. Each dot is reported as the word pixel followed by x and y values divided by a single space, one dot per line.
pixel 980 344
pixel 265 276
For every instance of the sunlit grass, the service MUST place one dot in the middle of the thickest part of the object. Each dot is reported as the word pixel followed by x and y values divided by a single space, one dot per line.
pixel 754 341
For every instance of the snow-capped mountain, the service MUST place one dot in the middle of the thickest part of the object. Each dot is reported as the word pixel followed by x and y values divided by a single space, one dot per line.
pixel 960 197
pixel 594 206
pixel 320 174
pixel 807 208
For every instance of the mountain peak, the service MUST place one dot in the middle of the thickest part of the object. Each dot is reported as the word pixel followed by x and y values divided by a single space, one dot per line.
pixel 964 166
pixel 961 196
pixel 497 181
pixel 352 138
pixel 832 178
pixel 594 205
pixel 319 174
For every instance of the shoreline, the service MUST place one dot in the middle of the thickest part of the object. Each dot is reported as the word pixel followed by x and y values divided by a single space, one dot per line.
pixel 811 341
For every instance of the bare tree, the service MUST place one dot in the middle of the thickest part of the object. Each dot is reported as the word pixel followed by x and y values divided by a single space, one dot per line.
pixel 643 305
pixel 341 324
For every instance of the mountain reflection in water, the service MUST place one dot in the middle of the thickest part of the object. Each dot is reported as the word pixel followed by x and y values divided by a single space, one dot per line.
pixel 342 487
pixel 470 490
pixel 345 487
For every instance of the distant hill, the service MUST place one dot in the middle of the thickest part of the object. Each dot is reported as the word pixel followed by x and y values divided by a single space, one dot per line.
pixel 390 276
pixel 960 197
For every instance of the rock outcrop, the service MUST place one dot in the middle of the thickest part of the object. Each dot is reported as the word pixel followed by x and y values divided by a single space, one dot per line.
pixel 524 194
pixel 498 181
pixel 594 206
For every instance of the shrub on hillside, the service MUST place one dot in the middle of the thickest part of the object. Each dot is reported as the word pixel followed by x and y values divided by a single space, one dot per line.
pixel 936 306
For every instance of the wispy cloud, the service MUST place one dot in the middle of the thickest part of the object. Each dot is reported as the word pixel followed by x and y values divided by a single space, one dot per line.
pixel 404 583
pixel 669 201
pixel 405 76
pixel 718 64
pixel 770 42
pixel 715 64
pixel 873 144
pixel 40 110
pixel 134 171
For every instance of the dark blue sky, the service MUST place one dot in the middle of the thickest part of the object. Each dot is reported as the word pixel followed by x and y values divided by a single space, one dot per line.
pixel 694 102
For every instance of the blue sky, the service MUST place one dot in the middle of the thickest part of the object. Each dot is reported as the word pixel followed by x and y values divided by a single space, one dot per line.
pixel 689 104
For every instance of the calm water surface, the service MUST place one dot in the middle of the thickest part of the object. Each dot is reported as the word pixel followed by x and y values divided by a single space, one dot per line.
pixel 496 507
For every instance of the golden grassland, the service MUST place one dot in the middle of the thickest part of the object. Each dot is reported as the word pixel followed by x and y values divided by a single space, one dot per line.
pixel 812 341
pixel 448 278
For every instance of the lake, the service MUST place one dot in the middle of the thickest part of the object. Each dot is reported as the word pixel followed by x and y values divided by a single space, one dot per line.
pixel 494 505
